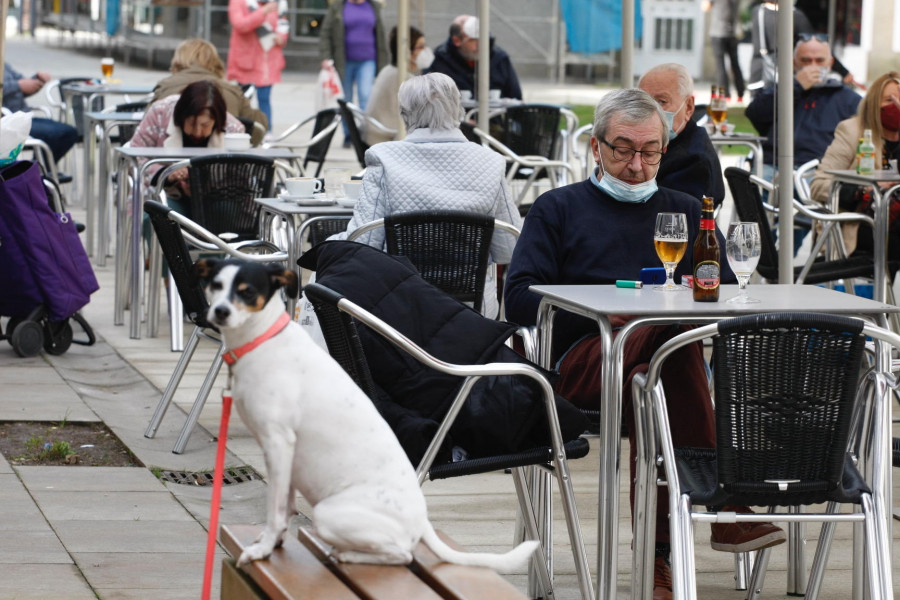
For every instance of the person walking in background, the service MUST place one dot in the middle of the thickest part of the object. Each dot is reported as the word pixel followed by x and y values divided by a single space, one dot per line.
pixel 458 55
pixel 383 105
pixel 353 36
pixel 259 30
pixel 197 60
pixel 722 22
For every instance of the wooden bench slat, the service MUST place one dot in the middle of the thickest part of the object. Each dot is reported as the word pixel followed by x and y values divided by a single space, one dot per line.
pixel 292 572
pixel 459 581
pixel 372 582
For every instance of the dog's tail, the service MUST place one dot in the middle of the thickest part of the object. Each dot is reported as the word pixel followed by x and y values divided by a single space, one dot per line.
pixel 510 561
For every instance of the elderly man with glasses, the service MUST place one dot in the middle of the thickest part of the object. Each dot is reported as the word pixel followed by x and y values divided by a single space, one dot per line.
pixel 821 101
pixel 690 164
pixel 600 230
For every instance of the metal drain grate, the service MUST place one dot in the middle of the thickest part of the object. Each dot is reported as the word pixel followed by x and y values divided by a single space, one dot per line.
pixel 231 476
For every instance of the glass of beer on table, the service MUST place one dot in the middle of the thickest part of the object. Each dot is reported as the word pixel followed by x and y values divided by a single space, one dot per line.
pixel 107 64
pixel 670 239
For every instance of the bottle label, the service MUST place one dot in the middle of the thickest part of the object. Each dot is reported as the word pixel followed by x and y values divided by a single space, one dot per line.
pixel 706 275
pixel 707 224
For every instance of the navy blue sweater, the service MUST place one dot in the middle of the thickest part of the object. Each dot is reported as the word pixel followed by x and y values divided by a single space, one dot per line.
pixel 817 112
pixel 578 234
pixel 691 165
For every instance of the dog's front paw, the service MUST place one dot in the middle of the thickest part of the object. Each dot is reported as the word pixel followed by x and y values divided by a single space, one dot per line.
pixel 255 551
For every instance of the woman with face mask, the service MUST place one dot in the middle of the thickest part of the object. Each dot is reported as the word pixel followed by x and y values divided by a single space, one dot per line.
pixel 383 106
pixel 880 112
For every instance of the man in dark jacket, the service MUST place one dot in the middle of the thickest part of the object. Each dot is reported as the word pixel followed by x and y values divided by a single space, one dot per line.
pixel 458 55
pixel 690 164
pixel 820 103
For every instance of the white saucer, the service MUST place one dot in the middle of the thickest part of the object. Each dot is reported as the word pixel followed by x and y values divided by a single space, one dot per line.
pixel 346 202
pixel 314 200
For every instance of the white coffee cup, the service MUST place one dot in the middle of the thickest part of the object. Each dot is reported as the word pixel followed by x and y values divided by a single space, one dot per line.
pixel 302 186
pixel 351 189
pixel 237 141
pixel 494 95
pixel 465 95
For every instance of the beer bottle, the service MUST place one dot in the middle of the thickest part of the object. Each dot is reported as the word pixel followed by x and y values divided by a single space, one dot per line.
pixel 866 154
pixel 707 270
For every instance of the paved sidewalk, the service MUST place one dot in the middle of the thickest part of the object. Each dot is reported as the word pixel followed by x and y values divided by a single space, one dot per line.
pixel 87 532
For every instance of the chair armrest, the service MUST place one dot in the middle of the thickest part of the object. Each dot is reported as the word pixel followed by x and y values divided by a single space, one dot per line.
pixel 365 228
pixel 207 240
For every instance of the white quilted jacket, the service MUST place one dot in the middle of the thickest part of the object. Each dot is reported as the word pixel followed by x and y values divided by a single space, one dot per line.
pixel 437 170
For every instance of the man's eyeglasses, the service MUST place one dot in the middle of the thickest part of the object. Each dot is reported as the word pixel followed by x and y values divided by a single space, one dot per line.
pixel 625 154
pixel 819 37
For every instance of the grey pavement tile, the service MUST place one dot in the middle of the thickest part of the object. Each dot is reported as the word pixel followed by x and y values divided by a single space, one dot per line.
pixel 141 594
pixel 44 402
pixel 110 506
pixel 19 510
pixel 34 547
pixel 5 467
pixel 43 581
pixel 87 479
pixel 153 572
pixel 131 536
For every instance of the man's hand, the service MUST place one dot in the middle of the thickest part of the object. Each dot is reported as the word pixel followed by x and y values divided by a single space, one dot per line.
pixel 30 86
pixel 809 76
pixel 44 76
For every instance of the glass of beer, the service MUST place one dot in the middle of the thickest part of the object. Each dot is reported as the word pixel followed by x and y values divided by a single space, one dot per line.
pixel 107 64
pixel 670 238
pixel 718 112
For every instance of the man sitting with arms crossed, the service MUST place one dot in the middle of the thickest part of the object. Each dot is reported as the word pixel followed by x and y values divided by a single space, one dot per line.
pixel 690 164
pixel 600 230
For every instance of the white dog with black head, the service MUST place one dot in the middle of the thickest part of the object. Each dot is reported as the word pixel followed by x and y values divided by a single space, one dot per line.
pixel 320 434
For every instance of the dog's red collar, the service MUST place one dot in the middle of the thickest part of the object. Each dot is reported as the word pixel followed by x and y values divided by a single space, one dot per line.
pixel 231 356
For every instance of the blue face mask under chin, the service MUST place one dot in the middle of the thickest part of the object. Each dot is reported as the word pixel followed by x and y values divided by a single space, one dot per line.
pixel 636 193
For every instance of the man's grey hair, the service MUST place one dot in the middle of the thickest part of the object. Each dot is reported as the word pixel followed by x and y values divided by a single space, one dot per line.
pixel 801 42
pixel 430 101
pixel 633 106
pixel 685 82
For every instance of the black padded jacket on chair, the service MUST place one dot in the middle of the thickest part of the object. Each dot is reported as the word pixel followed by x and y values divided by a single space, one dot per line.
pixel 505 414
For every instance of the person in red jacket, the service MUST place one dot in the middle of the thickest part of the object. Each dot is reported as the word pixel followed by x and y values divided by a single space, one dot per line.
pixel 259 30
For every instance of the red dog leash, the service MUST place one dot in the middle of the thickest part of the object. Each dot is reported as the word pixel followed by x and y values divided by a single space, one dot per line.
pixel 230 358
pixel 218 476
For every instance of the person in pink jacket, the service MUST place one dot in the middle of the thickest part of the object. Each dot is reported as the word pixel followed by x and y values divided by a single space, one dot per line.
pixel 259 30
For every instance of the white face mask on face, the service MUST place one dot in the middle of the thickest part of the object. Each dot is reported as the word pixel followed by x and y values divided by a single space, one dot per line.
pixel 424 58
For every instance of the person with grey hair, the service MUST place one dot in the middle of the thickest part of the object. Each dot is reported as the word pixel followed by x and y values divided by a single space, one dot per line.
pixel 435 168
pixel 690 164
pixel 598 231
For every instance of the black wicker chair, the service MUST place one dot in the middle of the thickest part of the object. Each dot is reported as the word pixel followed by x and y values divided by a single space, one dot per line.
pixel 339 317
pixel 174 231
pixel 749 205
pixel 789 426
pixel 450 249
pixel 125 132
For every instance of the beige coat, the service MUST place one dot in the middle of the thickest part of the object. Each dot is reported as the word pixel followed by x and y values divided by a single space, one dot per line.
pixel 841 154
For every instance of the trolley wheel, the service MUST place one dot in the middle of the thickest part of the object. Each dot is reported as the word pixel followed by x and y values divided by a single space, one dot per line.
pixel 57 337
pixel 27 339
pixel 11 326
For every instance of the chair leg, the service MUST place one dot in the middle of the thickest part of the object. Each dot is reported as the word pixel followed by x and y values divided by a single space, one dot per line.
pixel 540 560
pixel 743 567
pixel 684 578
pixel 199 402
pixel 796 575
pixel 644 494
pixel 176 317
pixel 878 548
pixel 760 567
pixel 817 571
pixel 174 380
pixel 573 524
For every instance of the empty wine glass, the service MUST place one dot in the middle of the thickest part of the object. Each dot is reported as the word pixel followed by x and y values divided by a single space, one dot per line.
pixel 742 248
pixel 670 239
